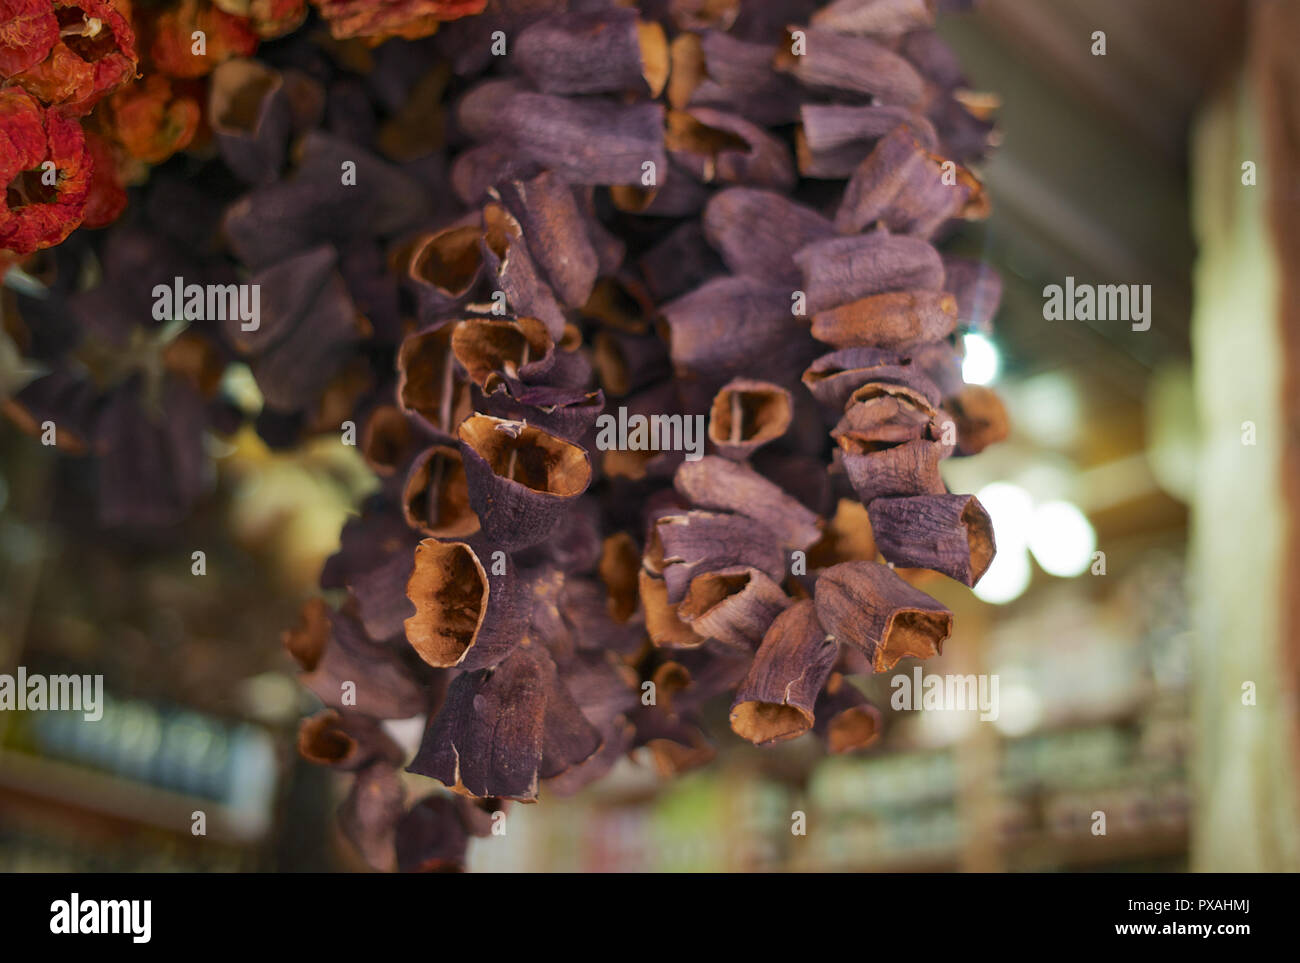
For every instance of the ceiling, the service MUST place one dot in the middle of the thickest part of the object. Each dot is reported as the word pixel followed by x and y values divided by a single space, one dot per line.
pixel 1090 180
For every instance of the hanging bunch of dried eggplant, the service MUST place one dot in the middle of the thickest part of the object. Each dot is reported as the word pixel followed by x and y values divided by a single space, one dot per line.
pixel 479 244
pixel 716 211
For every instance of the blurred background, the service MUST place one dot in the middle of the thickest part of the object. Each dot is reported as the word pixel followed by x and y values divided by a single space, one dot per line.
pixel 1139 583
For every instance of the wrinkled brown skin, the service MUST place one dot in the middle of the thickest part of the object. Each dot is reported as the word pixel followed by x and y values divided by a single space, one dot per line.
pixel 853 64
pixel 882 420
pixel 718 484
pixel 680 262
pixel 368 817
pixel 698 542
pixel 519 347
pixel 775 700
pixel 734 75
pixel 906 189
pixel 517 513
pixel 433 836
pixel 664 626
pixel 435 496
pixel 846 721
pixel 756 231
pixel 896 319
pixel 883 18
pixel 541 667
pixel 249 113
pixel 346 740
pixel 391 440
pixel 833 139
pixel 952 534
pixel 706 327
pixel 270 223
pixel 610 51
pixel 551 219
pixel 834 377
pixel 463 616
pixel 512 270
pixel 866 605
pixel 444 268
pixel 565 413
pixel 843 269
pixel 980 416
pixel 717 147
pixel 911 468
pixel 733 605
pixel 747 414
pixel 490 738
pixel 587 142
pixel 309 325
pixel 332 648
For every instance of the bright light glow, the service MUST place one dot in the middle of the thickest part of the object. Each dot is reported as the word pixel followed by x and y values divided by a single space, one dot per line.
pixel 1008 576
pixel 1049 478
pixel 945 728
pixel 982 362
pixel 241 387
pixel 1062 539
pixel 406 732
pixel 1019 709
pixel 1047 408
pixel 1011 508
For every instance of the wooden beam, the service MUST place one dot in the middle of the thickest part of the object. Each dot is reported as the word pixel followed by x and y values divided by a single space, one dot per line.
pixel 1245 552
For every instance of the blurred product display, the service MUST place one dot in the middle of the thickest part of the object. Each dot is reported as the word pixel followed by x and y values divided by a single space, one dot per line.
pixel 1139 612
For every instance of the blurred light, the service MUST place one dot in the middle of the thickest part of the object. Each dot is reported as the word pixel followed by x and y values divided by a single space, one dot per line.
pixel 20 544
pixel 982 362
pixel 407 733
pixel 945 728
pixel 240 386
pixel 1011 508
pixel 17 279
pixel 1062 539
pixel 270 697
pixel 1008 576
pixel 1047 408
pixel 1049 478
pixel 1019 709
pixel 1115 482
